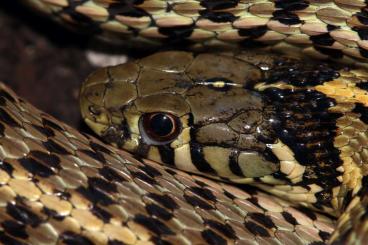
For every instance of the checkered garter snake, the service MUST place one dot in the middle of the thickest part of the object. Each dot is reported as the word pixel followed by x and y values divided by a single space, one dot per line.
pixel 294 130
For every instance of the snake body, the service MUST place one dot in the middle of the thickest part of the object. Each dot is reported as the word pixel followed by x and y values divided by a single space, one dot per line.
pixel 296 129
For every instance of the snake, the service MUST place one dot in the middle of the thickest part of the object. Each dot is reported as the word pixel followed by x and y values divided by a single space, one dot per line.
pixel 232 147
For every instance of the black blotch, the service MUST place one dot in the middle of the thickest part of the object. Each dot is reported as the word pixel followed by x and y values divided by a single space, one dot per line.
pixel 4 94
pixel 71 238
pixel 126 8
pixel 324 235
pixel 224 229
pixel 218 17
pixel 323 39
pixel 48 159
pixel 7 119
pixel 45 131
pixel 54 147
pixel 111 174
pixel 151 171
pixel 170 171
pixel 153 225
pixel 99 148
pixel 158 211
pixel 197 202
pixel 234 166
pixel 254 32
pixel 7 167
pixel 263 219
pixel 219 4
pixel 102 184
pixel 101 213
pixel 229 195
pixel 177 33
pixel 204 193
pixel 95 155
pixel 15 229
pixel 363 85
pixel 256 229
pixel 144 177
pixel 291 5
pixel 308 212
pixel 23 215
pixel 363 52
pixel 333 53
pixel 36 168
pixel 5 239
pixel 289 218
pixel 48 123
pixel 95 195
pixel 285 17
pixel 198 159
pixel 363 111
pixel 52 213
pixel 301 73
pixel 164 200
pixel 212 238
pixel 2 129
pixel 167 154
pixel 159 241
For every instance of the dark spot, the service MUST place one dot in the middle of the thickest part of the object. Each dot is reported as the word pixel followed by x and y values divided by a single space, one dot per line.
pixel 15 229
pixel 99 148
pixel 167 154
pixel 154 225
pixel 219 4
pixel 158 211
pixel 324 235
pixel 254 32
pixel 45 131
pixel 197 202
pixel 71 238
pixel 54 147
pixel 263 219
pixel 101 214
pixel 102 184
pixel 177 33
pixel 23 215
pixel 256 229
pixel 7 119
pixel 164 200
pixel 224 229
pixel 144 177
pixel 111 174
pixel 213 238
pixel 289 218
pixel 7 167
pixel 198 159
pixel 150 171
pixel 218 17
pixel 51 124
pixel 48 159
pixel 36 168
pixel 95 195
pixel 5 239
pixel 95 155
pixel 205 193
pixel 4 94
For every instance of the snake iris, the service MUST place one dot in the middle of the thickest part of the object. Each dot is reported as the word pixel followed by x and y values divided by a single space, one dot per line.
pixel 294 129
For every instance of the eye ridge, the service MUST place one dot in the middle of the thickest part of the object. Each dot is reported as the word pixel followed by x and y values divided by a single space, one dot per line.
pixel 160 126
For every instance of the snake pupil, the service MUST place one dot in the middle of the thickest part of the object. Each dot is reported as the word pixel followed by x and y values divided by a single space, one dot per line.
pixel 161 125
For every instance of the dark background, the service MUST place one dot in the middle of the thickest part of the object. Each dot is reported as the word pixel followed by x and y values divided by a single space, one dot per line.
pixel 44 62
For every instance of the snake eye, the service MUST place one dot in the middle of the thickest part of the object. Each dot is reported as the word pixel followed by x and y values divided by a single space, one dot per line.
pixel 159 128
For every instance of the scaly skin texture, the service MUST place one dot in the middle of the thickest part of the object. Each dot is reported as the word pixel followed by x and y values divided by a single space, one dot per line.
pixel 320 28
pixel 58 186
pixel 291 127
pixel 335 163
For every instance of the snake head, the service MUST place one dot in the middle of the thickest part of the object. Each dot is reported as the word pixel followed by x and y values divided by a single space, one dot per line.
pixel 191 112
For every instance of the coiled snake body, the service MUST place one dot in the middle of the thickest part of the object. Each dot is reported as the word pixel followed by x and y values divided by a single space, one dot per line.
pixel 296 130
